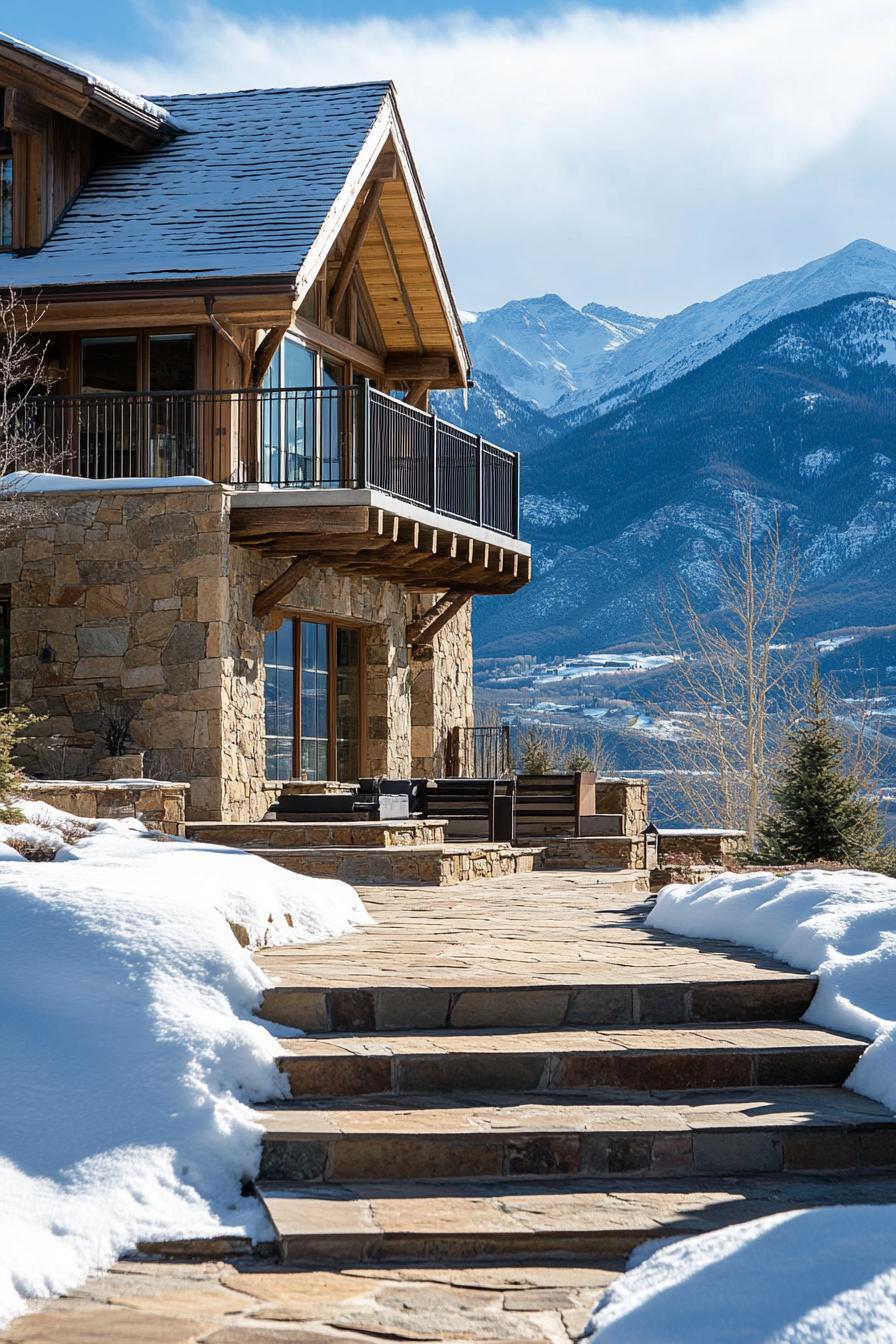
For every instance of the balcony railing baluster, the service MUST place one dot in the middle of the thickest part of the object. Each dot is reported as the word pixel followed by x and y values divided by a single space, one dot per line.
pixel 293 438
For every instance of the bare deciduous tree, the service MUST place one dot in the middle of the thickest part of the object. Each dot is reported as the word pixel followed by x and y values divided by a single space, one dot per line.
pixel 24 376
pixel 734 676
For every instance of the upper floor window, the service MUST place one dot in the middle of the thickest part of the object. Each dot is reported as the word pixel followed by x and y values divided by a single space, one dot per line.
pixel 5 189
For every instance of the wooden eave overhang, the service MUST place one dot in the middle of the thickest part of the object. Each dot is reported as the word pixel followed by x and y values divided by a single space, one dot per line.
pixel 386 137
pixel 77 95
pixel 362 532
pixel 262 300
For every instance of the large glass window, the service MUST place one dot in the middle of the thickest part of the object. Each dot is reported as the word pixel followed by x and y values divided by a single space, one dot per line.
pixel 109 364
pixel 279 700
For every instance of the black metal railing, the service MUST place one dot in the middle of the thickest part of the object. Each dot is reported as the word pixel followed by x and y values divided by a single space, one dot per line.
pixel 296 437
pixel 479 752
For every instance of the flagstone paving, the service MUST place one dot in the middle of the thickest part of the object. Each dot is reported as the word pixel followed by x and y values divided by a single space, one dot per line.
pixel 503 1090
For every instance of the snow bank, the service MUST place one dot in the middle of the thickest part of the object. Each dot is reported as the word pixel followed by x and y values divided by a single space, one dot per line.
pixel 128 1042
pixel 839 925
pixel 819 1276
pixel 48 483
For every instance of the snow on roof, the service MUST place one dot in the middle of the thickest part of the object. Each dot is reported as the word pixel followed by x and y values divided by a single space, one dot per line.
pixel 242 191
pixel 134 100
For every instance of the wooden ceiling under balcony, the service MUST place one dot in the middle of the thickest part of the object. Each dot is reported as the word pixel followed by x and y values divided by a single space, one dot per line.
pixel 358 539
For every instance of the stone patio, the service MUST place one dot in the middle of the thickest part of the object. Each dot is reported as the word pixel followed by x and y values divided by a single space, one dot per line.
pixel 505 1088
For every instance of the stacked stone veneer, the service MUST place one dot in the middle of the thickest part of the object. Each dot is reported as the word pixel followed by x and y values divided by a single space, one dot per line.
pixel 135 600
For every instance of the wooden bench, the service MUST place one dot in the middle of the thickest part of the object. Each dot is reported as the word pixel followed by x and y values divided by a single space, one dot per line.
pixel 473 809
pixel 558 805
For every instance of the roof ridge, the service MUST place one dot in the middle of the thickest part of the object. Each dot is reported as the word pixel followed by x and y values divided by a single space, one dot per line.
pixel 384 84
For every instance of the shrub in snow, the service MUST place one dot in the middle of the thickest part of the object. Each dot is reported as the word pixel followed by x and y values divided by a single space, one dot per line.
pixel 12 723
pixel 130 1047
pixel 819 809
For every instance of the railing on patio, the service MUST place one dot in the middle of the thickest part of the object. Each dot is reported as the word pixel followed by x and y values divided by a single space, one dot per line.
pixel 480 752
pixel 296 438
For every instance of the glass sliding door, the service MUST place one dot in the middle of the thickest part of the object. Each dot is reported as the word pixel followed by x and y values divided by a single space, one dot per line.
pixel 172 369
pixel 314 700
pixel 287 417
pixel 108 425
pixel 331 424
pixel 279 701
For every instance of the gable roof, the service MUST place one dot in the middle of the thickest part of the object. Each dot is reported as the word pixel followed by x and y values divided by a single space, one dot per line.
pixel 243 190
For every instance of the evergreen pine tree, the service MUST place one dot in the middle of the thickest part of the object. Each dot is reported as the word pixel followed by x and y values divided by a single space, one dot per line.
pixel 819 810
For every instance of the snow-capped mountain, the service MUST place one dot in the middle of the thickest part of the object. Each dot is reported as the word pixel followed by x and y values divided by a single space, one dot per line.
pixel 682 342
pixel 542 350
pixel 799 417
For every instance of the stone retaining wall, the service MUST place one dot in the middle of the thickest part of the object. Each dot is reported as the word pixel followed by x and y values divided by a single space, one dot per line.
pixel 160 804
pixel 598 852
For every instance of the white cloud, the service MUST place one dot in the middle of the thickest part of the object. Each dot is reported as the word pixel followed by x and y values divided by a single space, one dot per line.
pixel 643 161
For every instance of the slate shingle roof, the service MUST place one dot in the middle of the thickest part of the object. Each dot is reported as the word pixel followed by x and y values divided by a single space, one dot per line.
pixel 242 191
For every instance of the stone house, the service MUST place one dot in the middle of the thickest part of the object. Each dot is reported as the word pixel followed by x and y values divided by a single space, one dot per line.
pixel 246 547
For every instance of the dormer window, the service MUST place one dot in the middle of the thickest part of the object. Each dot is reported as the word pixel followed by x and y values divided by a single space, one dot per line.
pixel 5 190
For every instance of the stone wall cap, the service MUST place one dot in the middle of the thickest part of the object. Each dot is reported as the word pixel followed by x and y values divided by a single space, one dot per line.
pixel 99 785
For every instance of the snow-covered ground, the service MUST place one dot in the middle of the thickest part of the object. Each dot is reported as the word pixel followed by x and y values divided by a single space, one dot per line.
pixel 823 1276
pixel 128 1041
pixel 817 1276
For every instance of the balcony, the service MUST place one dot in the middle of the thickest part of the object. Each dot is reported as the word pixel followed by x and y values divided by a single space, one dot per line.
pixel 304 439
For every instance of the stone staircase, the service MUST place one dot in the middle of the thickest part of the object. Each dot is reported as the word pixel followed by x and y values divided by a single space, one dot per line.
pixel 371 852
pixel 472 1099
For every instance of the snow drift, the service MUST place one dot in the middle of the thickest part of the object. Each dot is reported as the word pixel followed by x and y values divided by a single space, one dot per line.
pixel 814 1276
pixel 129 1046
pixel 818 1276
pixel 839 925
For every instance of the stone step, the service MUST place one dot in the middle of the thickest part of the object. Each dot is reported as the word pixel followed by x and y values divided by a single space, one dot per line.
pixel 783 996
pixel 737 1055
pixel 412 865
pixel 318 834
pixel 528 1220
pixel 600 1132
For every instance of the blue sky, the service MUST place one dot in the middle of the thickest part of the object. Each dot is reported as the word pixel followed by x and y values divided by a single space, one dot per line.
pixel 139 24
pixel 648 154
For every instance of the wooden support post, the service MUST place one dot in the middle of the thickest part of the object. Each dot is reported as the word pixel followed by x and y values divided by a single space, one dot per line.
pixel 268 597
pixel 444 611
pixel 417 393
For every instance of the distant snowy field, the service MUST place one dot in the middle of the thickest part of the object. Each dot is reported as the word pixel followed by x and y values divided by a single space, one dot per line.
pixel 821 1276
pixel 128 1041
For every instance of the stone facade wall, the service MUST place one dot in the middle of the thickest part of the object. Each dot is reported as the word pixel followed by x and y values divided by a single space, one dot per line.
pixel 441 691
pixel 119 601
pixel 134 602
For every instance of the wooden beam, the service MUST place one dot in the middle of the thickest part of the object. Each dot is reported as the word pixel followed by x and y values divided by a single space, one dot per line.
pixel 21 113
pixel 402 288
pixel 267 598
pixel 408 368
pixel 385 169
pixel 448 611
pixel 417 393
pixel 353 247
pixel 364 360
pixel 265 352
